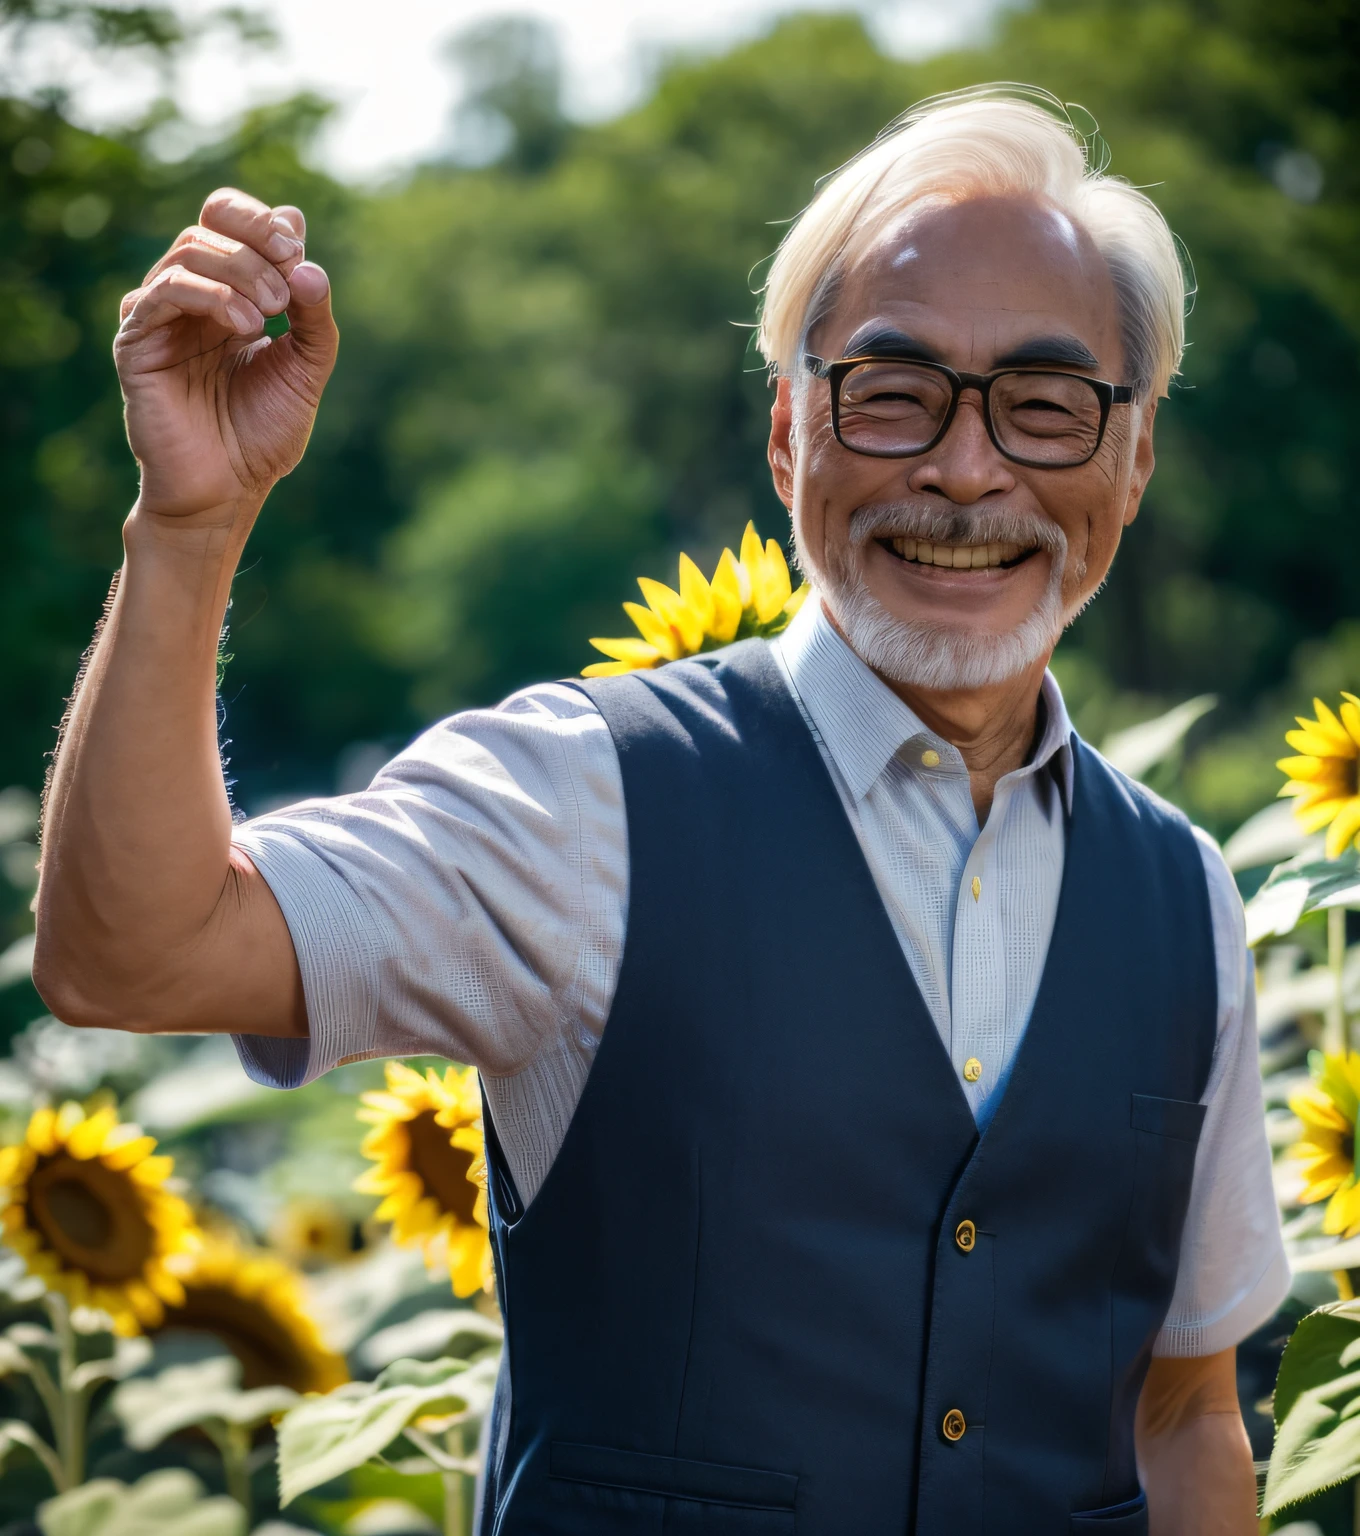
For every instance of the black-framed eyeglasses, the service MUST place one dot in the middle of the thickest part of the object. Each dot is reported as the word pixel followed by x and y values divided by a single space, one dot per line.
pixel 895 408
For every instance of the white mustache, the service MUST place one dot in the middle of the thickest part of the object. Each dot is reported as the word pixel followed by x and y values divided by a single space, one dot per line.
pixel 964 525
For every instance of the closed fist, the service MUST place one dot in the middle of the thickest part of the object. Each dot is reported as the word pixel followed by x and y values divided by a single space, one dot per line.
pixel 217 411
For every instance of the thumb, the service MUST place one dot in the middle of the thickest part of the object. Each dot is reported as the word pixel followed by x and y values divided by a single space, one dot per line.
pixel 310 322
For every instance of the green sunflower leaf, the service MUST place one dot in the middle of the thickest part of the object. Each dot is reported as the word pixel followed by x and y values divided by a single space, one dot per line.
pixel 1299 886
pixel 1317 1408
pixel 152 1408
pixel 168 1503
pixel 324 1437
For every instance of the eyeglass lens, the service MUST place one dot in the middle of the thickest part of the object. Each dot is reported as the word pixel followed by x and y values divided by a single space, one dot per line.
pixel 898 407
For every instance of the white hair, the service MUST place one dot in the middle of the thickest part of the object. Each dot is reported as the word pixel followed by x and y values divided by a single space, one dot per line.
pixel 988 141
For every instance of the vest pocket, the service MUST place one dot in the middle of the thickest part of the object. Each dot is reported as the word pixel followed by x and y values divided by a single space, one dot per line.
pixel 1176 1118
pixel 675 1478
pixel 1127 1519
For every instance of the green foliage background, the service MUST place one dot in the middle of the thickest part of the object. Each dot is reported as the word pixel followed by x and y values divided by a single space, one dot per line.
pixel 546 385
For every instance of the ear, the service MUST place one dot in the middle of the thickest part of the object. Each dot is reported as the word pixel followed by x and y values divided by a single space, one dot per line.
pixel 1144 462
pixel 781 451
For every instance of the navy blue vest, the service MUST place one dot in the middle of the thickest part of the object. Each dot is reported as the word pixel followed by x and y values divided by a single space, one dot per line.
pixel 745 1301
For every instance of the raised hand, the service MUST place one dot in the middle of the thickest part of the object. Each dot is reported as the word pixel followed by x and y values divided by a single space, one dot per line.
pixel 217 411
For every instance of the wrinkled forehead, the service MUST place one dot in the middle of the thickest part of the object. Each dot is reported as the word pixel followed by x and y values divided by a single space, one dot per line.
pixel 975 280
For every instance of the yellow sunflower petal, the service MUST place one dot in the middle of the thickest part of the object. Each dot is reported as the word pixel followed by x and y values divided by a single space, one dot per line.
pixel 1312 816
pixel 1350 718
pixel 42 1132
pixel 635 654
pixel 387 1104
pixel 1311 770
pixel 68 1117
pixel 730 590
pixel 671 609
pixel 611 669
pixel 1313 742
pixel 654 631
pixel 86 1139
pixel 696 594
pixel 1329 726
pixel 1343 829
pixel 152 1170
pixel 125 1154
pixel 1343 1211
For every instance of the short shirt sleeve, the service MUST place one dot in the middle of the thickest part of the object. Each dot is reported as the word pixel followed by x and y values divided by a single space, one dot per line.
pixel 1233 1271
pixel 470 903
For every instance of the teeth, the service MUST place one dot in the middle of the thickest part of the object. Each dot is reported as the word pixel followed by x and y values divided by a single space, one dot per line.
pixel 958 557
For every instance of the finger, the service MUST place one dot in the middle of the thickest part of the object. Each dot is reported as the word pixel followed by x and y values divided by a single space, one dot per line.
pixel 241 217
pixel 310 323
pixel 228 261
pixel 176 293
pixel 293 218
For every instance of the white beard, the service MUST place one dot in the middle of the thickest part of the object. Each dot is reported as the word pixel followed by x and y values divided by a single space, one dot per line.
pixel 932 655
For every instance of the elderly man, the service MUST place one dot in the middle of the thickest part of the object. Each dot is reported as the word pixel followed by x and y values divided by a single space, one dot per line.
pixel 926 1191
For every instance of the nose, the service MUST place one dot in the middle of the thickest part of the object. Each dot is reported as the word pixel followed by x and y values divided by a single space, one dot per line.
pixel 965 466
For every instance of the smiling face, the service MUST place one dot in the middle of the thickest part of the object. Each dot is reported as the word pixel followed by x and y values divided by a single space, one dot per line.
pixel 957 567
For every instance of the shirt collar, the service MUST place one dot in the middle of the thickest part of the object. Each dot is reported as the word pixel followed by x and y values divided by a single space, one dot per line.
pixel 864 724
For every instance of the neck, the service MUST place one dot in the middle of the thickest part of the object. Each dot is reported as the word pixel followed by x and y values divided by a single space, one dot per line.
pixel 993 728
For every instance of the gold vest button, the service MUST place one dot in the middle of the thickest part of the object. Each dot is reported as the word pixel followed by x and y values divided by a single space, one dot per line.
pixel 955 1426
pixel 965 1235
pixel 972 1069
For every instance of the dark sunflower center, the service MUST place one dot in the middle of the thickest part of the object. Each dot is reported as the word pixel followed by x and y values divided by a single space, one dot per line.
pixel 92 1217
pixel 442 1168
pixel 79 1214
pixel 1348 1147
pixel 269 1353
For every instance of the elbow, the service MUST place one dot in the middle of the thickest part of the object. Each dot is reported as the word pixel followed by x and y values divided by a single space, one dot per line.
pixel 62 991
pixel 75 997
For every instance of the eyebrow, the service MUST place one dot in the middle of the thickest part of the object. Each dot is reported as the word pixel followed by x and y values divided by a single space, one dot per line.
pixel 1049 349
pixel 1062 350
pixel 884 341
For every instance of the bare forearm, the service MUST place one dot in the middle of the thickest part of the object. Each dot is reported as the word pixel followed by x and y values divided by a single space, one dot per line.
pixel 1193 1450
pixel 136 846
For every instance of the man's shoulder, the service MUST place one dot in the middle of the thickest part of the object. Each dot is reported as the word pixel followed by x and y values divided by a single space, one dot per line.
pixel 1134 795
pixel 1225 903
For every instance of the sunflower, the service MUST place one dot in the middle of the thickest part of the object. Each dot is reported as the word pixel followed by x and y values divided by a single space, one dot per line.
pixel 748 597
pixel 85 1206
pixel 1323 777
pixel 312 1233
pixel 1326 1149
pixel 430 1161
pixel 253 1303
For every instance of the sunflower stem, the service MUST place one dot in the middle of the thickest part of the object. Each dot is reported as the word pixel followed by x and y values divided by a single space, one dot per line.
pixel 233 1443
pixel 454 1523
pixel 69 1426
pixel 1336 1042
pixel 455 1506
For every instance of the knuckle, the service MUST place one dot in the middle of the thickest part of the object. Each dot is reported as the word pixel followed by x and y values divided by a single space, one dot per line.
pixel 220 200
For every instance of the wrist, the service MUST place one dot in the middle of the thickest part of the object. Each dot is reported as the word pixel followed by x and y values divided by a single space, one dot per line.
pixel 216 534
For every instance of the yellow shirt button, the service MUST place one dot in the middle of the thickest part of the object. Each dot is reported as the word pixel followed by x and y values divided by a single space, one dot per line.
pixel 976 887
pixel 965 1235
pixel 955 1426
pixel 972 1069
pixel 930 758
